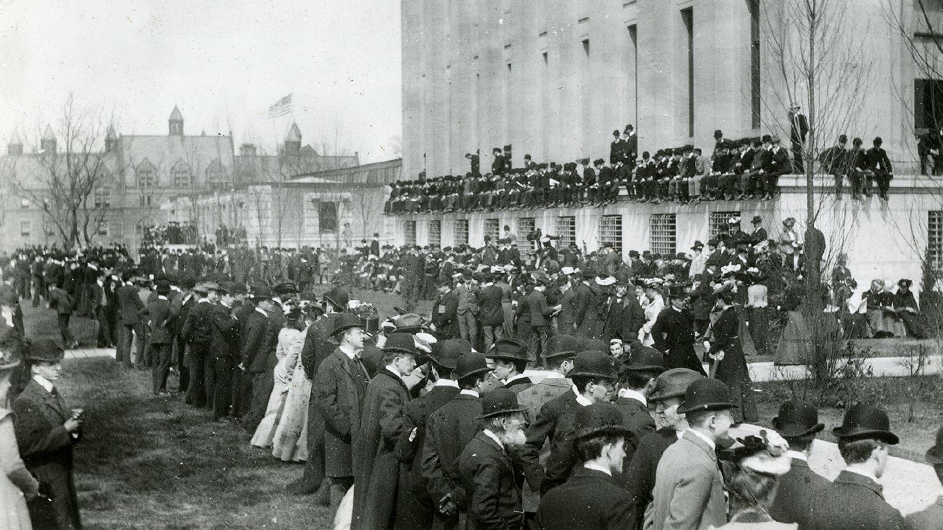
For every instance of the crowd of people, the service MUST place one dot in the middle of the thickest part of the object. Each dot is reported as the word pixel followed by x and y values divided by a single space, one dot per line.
pixel 742 169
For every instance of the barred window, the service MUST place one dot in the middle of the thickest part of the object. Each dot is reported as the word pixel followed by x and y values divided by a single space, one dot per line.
pixel 102 199
pixel 409 233
pixel 935 239
pixel 103 227
pixel 25 228
pixel 460 237
pixel 610 231
pixel 327 217
pixel 493 229
pixel 146 174
pixel 180 174
pixel 718 223
pixel 435 233
pixel 566 231
pixel 525 225
pixel 663 234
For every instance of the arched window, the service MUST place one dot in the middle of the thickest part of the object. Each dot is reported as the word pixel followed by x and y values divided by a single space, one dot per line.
pixel 147 174
pixel 180 174
pixel 215 172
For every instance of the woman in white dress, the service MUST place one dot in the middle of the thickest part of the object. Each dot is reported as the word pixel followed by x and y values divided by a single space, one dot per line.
pixel 265 432
pixel 655 304
pixel 291 435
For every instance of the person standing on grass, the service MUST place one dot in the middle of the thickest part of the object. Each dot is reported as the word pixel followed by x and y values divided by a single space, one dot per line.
pixel 197 331
pixel 46 430
pixel 61 301
pixel 160 323
pixel 130 307
pixel 224 349
pixel 17 485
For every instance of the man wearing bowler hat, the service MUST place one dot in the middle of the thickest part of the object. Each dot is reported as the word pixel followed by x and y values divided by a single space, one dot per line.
pixel 592 498
pixel 854 501
pixel 689 490
pixel 225 350
pixel 197 331
pixel 448 431
pixel 160 335
pixel 510 358
pixel 758 234
pixel 491 480
pixel 639 476
pixel 929 519
pixel 414 506
pixel 798 423
pixel 636 381
pixel 674 332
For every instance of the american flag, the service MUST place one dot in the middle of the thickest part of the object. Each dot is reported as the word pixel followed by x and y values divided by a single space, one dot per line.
pixel 280 108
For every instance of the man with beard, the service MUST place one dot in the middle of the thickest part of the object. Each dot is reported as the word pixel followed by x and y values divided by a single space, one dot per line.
pixel 490 478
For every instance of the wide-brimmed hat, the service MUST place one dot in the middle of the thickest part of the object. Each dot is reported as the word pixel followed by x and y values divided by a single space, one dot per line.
pixel 593 363
pixel 864 421
pixel 499 402
pixel 338 296
pixel 644 359
pixel 45 350
pixel 286 287
pixel 756 219
pixel 697 245
pixel 446 353
pixel 469 364
pixel 797 418
pixel 400 343
pixel 408 323
pixel 345 321
pixel 599 419
pixel 673 383
pixel 511 350
pixel 706 394
pixel 560 346
pixel 935 454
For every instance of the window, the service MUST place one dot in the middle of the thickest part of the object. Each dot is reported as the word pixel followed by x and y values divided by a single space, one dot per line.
pixel 662 237
pixel 928 104
pixel 460 237
pixel 718 223
pixel 687 17
pixel 103 227
pixel 525 225
pixel 566 231
pixel 327 217
pixel 24 204
pixel 145 200
pixel 435 233
pixel 180 174
pixel 146 174
pixel 102 199
pixel 492 229
pixel 409 233
pixel 633 39
pixel 755 104
pixel 610 231
pixel 24 228
pixel 215 172
pixel 935 239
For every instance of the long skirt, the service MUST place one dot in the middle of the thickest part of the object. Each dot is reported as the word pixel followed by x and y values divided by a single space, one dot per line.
pixel 291 436
pixel 265 431
pixel 795 346
pixel 913 326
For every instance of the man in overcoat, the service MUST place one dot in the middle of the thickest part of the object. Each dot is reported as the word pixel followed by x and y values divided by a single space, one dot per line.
pixel 798 423
pixel 636 381
pixel 224 349
pixel 130 307
pixel 198 334
pixel 160 336
pixel 673 333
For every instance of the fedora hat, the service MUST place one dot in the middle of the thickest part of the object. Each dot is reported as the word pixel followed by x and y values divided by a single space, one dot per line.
pixel 446 353
pixel 338 296
pixel 706 394
pixel 599 419
pixel 644 359
pixel 400 343
pixel 560 346
pixel 45 350
pixel 797 418
pixel 935 453
pixel 673 383
pixel 345 321
pixel 469 364
pixel 499 402
pixel 593 363
pixel 866 422
pixel 511 350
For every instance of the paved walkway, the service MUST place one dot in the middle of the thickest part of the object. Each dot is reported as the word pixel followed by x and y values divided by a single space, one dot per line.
pixel 85 353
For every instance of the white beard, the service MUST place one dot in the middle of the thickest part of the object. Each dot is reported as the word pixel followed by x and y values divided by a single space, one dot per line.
pixel 518 438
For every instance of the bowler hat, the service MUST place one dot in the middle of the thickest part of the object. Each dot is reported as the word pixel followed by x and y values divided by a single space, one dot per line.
pixel 162 287
pixel 633 254
pixel 511 350
pixel 935 453
pixel 345 321
pixel 560 346
pixel 400 343
pixel 45 350
pixel 866 422
pixel 499 402
pixel 408 323
pixel 261 292
pixel 645 359
pixel 593 363
pixel 469 364
pixel 599 419
pixel 797 418
pixel 337 296
pixel 446 353
pixel 756 219
pixel 706 394
pixel 673 383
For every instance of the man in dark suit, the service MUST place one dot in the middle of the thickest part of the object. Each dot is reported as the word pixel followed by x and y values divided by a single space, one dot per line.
pixel 46 431
pixel 510 358
pixel 490 311
pixel 261 366
pixel 224 350
pixel 674 333
pixel 541 314
pixel 591 499
pixel 198 333
pixel 616 148
pixel 624 315
pixel 99 304
pixel 798 423
pixel 130 307
pixel 636 380
pixel 586 315
pixel 414 506
pixel 491 479
pixel 448 431
pixel 880 165
pixel 929 519
pixel 799 128
pixel 498 165
pixel 855 499
pixel 61 301
pixel 629 146
pixel 160 336
pixel 445 313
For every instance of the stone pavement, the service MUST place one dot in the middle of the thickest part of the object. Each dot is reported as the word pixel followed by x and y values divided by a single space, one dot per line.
pixel 84 353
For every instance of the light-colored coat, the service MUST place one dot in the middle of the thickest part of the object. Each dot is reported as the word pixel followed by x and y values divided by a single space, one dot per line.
pixel 689 489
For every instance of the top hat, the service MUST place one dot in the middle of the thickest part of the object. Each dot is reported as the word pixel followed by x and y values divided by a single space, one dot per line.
pixel 511 350
pixel 345 321
pixel 599 419
pixel 756 219
pixel 446 353
pixel 560 346
pixel 469 364
pixel 645 359
pixel 400 343
pixel 45 350
pixel 673 383
pixel 338 296
pixel 499 402
pixel 797 418
pixel 706 394
pixel 593 363
pixel 677 291
pixel 408 323
pixel 863 422
pixel 935 454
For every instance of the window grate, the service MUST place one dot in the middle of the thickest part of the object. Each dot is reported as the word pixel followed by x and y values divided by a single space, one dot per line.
pixel 409 233
pixel 566 231
pixel 525 225
pixel 435 233
pixel 492 229
pixel 663 234
pixel 610 231
pixel 460 237
pixel 935 239
pixel 718 223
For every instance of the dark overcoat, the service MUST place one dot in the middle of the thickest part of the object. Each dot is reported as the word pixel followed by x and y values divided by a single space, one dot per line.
pixel 545 428
pixel 589 500
pixel 493 485
pixel 853 502
pixel 338 390
pixel 448 431
pixel 636 417
pixel 797 488
pixel 638 477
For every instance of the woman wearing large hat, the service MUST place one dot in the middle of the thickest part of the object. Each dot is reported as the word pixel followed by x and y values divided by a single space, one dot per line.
pixel 17 485
pixel 752 481
pixel 726 353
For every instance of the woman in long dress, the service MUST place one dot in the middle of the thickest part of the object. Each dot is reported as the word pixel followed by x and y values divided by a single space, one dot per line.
pixel 729 365
pixel 291 436
pixel 795 344
pixel 265 432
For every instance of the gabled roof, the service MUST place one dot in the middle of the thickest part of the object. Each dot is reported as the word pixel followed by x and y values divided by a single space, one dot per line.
pixel 15 139
pixel 175 115
pixel 48 135
pixel 294 134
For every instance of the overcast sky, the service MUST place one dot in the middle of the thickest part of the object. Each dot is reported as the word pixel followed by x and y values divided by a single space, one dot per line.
pixel 222 62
